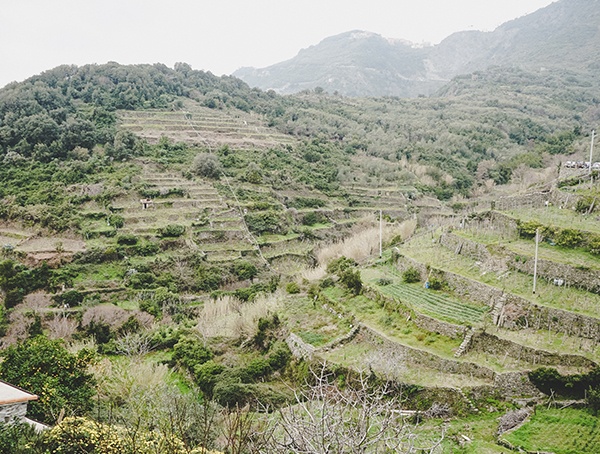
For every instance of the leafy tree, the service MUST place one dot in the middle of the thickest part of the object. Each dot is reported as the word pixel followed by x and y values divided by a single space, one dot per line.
pixel 207 165
pixel 352 281
pixel 59 378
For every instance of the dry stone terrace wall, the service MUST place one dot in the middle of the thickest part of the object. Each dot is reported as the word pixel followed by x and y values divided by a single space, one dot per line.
pixel 532 200
pixel 424 358
pixel 581 277
pixel 466 247
pixel 511 384
pixel 537 200
pixel 488 343
pixel 517 313
pixel 437 326
pixel 587 279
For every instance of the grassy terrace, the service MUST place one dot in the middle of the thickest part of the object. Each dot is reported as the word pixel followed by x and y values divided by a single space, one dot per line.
pixel 551 342
pixel 361 356
pixel 390 324
pixel 426 250
pixel 312 322
pixel 437 304
pixel 561 431
pixel 564 218
pixel 573 257
pixel 397 329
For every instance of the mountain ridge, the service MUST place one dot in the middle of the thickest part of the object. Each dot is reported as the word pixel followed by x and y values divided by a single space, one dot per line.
pixel 563 35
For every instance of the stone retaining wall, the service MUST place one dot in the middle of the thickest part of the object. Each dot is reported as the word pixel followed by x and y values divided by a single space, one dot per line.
pixel 538 200
pixel 510 384
pixel 581 277
pixel 489 343
pixel 518 313
pixel 424 358
pixel 437 326
pixel 422 321
pixel 299 348
pixel 466 247
pixel 532 200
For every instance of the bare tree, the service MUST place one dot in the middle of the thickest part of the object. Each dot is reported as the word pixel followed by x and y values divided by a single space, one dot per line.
pixel 359 419
pixel 134 344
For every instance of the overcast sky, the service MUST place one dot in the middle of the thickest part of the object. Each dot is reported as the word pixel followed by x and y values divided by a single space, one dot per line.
pixel 219 35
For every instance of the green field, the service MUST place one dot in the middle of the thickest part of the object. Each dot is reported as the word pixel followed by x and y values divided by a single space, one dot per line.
pixel 434 303
pixel 566 431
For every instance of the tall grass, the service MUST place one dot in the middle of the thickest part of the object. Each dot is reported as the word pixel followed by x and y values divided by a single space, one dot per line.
pixel 229 317
pixel 365 243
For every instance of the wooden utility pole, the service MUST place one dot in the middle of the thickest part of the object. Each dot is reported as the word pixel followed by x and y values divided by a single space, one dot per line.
pixel 537 242
pixel 380 234
pixel 592 151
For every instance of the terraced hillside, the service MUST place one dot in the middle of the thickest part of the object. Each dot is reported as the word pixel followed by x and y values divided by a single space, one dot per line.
pixel 473 326
pixel 194 124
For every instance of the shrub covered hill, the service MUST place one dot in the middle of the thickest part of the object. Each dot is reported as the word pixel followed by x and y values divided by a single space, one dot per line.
pixel 168 235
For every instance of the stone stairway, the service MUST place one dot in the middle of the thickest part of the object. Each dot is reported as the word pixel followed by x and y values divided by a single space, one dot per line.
pixel 472 406
pixel 465 343
pixel 498 310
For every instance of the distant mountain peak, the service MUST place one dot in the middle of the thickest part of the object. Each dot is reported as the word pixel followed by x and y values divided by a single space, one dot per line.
pixel 564 34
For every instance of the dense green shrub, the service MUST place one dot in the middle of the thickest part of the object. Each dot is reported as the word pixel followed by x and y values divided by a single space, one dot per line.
pixel 117 221
pixel 244 270
pixel 411 275
pixel 171 231
pixel 340 265
pixel 144 249
pixel 207 375
pixel 71 298
pixel 208 278
pixel 313 218
pixel 266 222
pixel 292 288
pixel 127 239
pixel 190 353
pixel 570 238
pixel 435 283
pixel 351 280
pixel 527 229
pixel 17 280
pixel 141 280
pixel 207 165
pixel 584 204
pixel 18 438
pixel 306 202
pixel 549 380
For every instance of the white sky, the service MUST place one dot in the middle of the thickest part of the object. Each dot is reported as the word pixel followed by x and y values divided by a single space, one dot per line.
pixel 219 35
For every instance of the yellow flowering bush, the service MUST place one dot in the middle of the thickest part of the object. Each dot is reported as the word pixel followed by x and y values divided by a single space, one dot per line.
pixel 77 435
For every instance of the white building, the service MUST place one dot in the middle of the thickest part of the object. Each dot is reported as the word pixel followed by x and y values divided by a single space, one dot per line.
pixel 13 405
